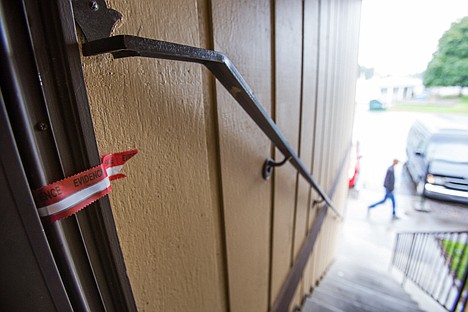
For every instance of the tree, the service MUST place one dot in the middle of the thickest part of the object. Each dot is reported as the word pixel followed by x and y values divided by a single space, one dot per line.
pixel 449 64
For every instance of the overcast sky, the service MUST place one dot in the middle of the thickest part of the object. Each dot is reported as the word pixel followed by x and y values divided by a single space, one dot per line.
pixel 398 37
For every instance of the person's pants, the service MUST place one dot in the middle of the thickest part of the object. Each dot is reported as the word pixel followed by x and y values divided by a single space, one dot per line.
pixel 387 196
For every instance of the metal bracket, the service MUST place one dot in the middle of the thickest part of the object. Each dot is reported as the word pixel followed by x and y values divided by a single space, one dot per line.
pixel 94 18
pixel 317 202
pixel 269 164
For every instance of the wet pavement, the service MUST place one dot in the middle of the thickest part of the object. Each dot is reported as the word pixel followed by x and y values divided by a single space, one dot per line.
pixel 382 137
pixel 368 239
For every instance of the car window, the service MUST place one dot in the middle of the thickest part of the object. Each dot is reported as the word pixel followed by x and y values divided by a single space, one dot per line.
pixel 448 151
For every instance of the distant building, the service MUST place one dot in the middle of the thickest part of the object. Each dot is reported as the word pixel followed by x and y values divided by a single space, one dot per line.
pixel 389 89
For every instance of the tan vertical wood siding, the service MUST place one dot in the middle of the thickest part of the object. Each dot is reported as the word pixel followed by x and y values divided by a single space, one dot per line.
pixel 309 104
pixel 200 229
pixel 288 62
pixel 163 209
pixel 242 30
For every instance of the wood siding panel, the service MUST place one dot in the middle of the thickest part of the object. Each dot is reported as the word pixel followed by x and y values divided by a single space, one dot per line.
pixel 242 30
pixel 318 156
pixel 163 209
pixel 309 86
pixel 288 63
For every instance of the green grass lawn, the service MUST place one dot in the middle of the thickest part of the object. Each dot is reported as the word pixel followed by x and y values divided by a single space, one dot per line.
pixel 455 251
pixel 454 107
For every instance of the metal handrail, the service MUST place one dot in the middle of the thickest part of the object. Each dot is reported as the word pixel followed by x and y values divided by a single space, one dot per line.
pixel 222 68
pixel 436 263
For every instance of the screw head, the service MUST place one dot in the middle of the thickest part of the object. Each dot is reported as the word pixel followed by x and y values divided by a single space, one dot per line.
pixel 41 126
pixel 93 5
pixel 267 169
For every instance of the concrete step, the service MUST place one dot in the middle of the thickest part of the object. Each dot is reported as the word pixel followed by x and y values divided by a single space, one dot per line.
pixel 353 297
pixel 366 278
pixel 351 287
pixel 314 305
pixel 384 286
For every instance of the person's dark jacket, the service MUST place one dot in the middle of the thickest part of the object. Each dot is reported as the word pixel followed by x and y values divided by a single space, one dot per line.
pixel 389 182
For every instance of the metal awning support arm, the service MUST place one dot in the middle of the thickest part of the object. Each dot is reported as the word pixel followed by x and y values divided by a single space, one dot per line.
pixel 222 68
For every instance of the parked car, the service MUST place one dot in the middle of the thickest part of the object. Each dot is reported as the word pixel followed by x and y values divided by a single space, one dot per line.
pixel 377 105
pixel 438 160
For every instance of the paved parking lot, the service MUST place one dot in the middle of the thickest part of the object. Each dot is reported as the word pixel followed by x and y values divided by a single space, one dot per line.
pixel 382 137
pixel 369 239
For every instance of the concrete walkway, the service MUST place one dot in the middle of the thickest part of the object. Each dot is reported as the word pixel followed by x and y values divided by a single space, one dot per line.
pixel 368 240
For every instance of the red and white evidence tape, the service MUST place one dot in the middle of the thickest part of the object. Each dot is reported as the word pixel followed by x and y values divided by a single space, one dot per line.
pixel 68 196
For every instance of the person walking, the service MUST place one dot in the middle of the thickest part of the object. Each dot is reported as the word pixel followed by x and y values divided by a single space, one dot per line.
pixel 389 184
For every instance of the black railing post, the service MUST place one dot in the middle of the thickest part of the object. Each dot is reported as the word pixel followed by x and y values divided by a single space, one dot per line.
pixel 448 251
pixel 433 264
pixel 414 256
pixel 404 247
pixel 419 255
pixel 422 269
pixel 460 292
pixel 463 280
pixel 394 252
pixel 408 263
pixel 401 250
pixel 440 266
pixel 452 269
pixel 431 255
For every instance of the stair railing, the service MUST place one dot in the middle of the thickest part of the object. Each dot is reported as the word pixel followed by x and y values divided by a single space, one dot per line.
pixel 222 68
pixel 437 262
pixel 96 22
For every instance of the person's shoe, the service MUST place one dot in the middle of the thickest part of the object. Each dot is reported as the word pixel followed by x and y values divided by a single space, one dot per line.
pixel 395 218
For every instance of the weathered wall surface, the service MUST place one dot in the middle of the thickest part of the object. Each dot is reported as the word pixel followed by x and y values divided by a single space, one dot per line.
pixel 199 227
